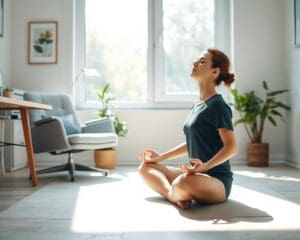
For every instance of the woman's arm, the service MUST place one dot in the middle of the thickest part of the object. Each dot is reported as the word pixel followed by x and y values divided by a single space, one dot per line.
pixel 176 152
pixel 151 156
pixel 228 150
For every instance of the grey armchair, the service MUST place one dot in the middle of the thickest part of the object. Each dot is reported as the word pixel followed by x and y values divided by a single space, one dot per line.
pixel 59 131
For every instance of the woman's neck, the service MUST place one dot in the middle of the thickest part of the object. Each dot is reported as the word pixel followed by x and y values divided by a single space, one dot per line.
pixel 206 92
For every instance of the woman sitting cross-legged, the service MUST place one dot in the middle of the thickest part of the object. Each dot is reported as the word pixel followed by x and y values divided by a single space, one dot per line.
pixel 210 142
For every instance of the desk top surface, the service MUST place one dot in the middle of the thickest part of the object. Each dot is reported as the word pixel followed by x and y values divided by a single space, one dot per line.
pixel 12 103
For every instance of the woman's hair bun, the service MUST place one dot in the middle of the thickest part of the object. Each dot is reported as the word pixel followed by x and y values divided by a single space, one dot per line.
pixel 229 79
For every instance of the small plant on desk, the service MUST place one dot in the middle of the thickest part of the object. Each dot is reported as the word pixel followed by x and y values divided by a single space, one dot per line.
pixel 8 92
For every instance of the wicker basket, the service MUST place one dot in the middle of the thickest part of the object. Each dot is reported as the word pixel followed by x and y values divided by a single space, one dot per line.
pixel 258 154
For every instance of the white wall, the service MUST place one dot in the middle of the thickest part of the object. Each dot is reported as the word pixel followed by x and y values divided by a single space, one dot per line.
pixel 52 77
pixel 259 37
pixel 258 52
pixel 5 45
pixel 292 59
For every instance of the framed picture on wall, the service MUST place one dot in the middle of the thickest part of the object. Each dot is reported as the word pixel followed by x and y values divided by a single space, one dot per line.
pixel 1 17
pixel 297 22
pixel 42 42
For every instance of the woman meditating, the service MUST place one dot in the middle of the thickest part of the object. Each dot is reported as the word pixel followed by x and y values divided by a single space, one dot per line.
pixel 210 142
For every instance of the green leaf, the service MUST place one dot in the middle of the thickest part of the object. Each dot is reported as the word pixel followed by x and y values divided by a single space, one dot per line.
pixel 99 95
pixel 238 122
pixel 283 106
pixel 234 92
pixel 275 113
pixel 49 41
pixel 105 89
pixel 272 120
pixel 265 85
pixel 38 48
pixel 120 127
pixel 102 93
pixel 273 93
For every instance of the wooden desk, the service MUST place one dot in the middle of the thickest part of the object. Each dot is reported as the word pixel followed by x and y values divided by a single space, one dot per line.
pixel 23 106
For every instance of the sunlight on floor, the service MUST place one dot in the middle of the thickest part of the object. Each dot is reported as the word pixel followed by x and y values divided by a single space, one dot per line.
pixel 263 175
pixel 126 204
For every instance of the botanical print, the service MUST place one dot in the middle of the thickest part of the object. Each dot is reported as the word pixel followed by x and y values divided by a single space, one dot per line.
pixel 42 40
pixel 43 43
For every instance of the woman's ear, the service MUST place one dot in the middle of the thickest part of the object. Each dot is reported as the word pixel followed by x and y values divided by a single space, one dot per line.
pixel 216 72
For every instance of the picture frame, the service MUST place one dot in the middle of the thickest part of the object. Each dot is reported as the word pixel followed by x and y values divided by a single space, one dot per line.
pixel 42 42
pixel 1 18
pixel 297 22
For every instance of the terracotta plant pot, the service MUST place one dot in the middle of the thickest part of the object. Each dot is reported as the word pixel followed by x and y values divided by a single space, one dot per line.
pixel 258 154
pixel 105 158
pixel 8 94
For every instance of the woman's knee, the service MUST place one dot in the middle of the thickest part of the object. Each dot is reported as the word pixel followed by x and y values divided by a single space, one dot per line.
pixel 181 181
pixel 181 185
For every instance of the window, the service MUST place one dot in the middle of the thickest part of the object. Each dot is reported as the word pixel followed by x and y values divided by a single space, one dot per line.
pixel 145 49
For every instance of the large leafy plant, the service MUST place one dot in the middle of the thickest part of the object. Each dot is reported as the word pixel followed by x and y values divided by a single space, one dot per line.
pixel 105 97
pixel 254 111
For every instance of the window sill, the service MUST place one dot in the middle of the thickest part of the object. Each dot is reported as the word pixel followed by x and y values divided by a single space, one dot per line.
pixel 139 106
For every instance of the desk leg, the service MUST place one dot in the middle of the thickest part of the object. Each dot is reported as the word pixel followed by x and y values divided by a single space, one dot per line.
pixel 28 143
pixel 2 138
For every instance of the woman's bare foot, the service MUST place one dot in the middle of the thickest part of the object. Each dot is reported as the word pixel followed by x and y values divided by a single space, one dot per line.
pixel 184 204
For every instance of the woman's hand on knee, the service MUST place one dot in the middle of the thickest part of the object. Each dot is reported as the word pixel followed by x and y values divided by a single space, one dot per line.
pixel 150 156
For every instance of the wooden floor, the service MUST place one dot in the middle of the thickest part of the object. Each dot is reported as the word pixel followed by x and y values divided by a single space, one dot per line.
pixel 15 186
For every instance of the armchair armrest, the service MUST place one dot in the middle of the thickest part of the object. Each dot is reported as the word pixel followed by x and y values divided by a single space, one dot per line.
pixel 98 126
pixel 45 120
pixel 49 135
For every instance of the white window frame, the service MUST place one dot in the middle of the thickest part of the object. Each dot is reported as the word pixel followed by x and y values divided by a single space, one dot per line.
pixel 156 97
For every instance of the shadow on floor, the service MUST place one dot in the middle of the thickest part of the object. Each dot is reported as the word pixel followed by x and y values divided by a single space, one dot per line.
pixel 230 211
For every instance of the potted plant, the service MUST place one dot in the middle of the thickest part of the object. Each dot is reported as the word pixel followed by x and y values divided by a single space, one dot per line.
pixel 253 113
pixel 106 158
pixel 8 92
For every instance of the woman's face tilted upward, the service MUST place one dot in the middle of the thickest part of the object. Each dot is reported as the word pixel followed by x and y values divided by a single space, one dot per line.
pixel 202 69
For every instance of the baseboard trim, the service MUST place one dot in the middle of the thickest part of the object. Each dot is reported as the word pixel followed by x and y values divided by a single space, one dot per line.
pixel 293 163
pixel 274 159
pixel 293 160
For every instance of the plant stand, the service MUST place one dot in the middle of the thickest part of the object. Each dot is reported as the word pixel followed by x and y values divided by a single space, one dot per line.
pixel 105 158
pixel 258 154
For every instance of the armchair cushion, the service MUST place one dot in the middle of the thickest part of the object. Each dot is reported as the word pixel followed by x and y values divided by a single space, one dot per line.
pixel 70 124
pixel 92 138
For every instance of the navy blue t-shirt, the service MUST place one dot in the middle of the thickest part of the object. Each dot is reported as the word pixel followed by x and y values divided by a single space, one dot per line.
pixel 201 130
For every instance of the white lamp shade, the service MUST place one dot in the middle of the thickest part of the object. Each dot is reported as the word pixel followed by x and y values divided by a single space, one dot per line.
pixel 85 74
pixel 90 73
